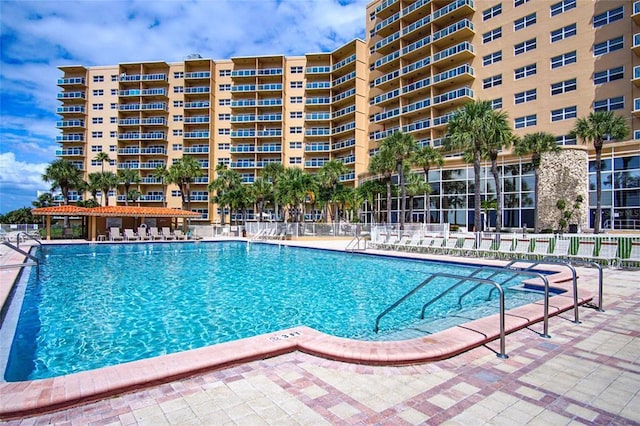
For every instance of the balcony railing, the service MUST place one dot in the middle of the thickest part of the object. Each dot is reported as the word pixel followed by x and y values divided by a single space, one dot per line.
pixel 197 74
pixel 202 149
pixel 318 70
pixel 70 123
pixel 270 148
pixel 344 144
pixel 269 132
pixel 198 89
pixel 317 147
pixel 197 119
pixel 71 95
pixel 71 152
pixel 243 133
pixel 199 104
pixel 318 131
pixel 242 148
pixel 196 135
pixel 71 109
pixel 316 162
pixel 70 81
pixel 75 137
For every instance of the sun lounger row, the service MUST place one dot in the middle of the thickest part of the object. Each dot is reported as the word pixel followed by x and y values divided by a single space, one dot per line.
pixel 143 234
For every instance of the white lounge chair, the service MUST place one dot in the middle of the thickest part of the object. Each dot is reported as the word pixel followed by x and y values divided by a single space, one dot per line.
pixel 504 248
pixel 115 235
pixel 436 245
pixel 450 245
pixel 179 235
pixel 561 249
pixel 522 247
pixel 129 235
pixel 540 248
pixel 154 234
pixel 142 233
pixel 485 246
pixel 608 252
pixel 634 257
pixel 586 250
pixel 467 247
pixel 167 234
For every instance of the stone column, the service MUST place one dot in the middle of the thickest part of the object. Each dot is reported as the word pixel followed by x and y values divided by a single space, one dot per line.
pixel 563 176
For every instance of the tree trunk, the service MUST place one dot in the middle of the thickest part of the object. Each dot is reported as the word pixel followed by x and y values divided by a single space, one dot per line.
pixel 389 201
pixel 496 179
pixel 403 194
pixel 536 178
pixel 188 188
pixel 410 209
pixel 427 201
pixel 596 223
pixel 476 195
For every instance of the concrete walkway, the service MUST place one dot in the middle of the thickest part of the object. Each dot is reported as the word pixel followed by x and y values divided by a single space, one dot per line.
pixel 585 374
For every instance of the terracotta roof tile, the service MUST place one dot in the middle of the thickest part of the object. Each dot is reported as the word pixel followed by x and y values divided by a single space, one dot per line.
pixel 120 211
pixel 67 210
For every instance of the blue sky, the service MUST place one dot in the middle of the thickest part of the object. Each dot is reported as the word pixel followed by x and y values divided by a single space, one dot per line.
pixel 38 36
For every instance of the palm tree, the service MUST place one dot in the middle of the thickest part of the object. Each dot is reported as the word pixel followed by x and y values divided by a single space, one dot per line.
pixel 292 188
pixel 368 191
pixel 329 178
pixel 162 173
pixel 469 131
pixel 500 137
pixel 402 147
pixel 93 185
pixel 595 128
pixel 487 205
pixel 426 157
pixel 128 177
pixel 182 173
pixel 223 185
pixel 44 200
pixel 272 172
pixel 64 175
pixel 102 157
pixel 106 182
pixel 261 189
pixel 383 163
pixel 416 185
pixel 536 144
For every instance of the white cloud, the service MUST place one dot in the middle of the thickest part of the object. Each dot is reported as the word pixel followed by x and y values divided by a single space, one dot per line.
pixel 20 174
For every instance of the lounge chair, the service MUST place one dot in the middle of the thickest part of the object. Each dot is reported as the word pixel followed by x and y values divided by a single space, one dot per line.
pixel 167 234
pixel 634 257
pixel 586 250
pixel 485 246
pixel 129 235
pixel 561 249
pixel 540 248
pixel 504 248
pixel 154 234
pixel 450 245
pixel 115 235
pixel 522 247
pixel 142 233
pixel 467 246
pixel 436 245
pixel 402 244
pixel 179 235
pixel 415 243
pixel 608 252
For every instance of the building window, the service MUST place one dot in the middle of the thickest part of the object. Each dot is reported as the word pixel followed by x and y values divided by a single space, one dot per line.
pixel 113 120
pixel 224 102
pixel 610 104
pixel 178 104
pixel 224 160
pixel 96 135
pixel 114 77
pixel 564 59
pixel 97 107
pixel 224 146
pixel 114 92
pixel 224 117
pixel 492 58
pixel 564 32
pixel 96 120
pixel 98 78
pixel 113 148
pixel 178 89
pixel 224 131
pixel 114 106
pixel 636 135
pixel 224 87
pixel 178 74
pixel 522 23
pixel 295 130
pixel 492 35
pixel 527 121
pixel 177 132
pixel 564 113
pixel 492 12
pixel 524 47
pixel 98 92
pixel 564 86
pixel 176 147
pixel 608 17
pixel 496 103
pixel 295 145
pixel 566 140
pixel 178 117
pixel 608 46
pixel 295 114
pixel 563 6
pixel 609 75
pixel 295 160
pixel 526 96
pixel 296 99
pixel 96 148
pixel 224 73
pixel 495 80
pixel 113 134
pixel 526 71
pixel 296 70
pixel 517 3
pixel 296 84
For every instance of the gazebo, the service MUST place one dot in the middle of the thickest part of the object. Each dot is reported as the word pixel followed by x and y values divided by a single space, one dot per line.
pixel 98 216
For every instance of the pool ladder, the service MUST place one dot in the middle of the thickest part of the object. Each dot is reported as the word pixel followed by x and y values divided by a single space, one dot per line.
pixel 354 244
pixel 34 260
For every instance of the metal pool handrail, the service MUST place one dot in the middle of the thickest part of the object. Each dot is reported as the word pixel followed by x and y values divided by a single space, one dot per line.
pixel 354 244
pixel 463 279
pixel 552 261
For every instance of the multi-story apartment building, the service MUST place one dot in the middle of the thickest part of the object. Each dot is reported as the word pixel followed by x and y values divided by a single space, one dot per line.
pixel 544 63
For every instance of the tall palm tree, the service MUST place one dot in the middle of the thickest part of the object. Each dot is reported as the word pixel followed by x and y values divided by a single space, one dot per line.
pixel 93 184
pixel 107 181
pixel 102 157
pixel 128 177
pixel 415 186
pixel 500 137
pixel 262 189
pixel 536 144
pixel 368 191
pixel 64 175
pixel 329 178
pixel 223 185
pixel 468 133
pixel 272 173
pixel 292 188
pixel 182 173
pixel 595 128
pixel 427 157
pixel 383 163
pixel 44 200
pixel 162 173
pixel 402 147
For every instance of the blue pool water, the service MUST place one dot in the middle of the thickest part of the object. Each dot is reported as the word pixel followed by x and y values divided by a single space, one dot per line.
pixel 99 305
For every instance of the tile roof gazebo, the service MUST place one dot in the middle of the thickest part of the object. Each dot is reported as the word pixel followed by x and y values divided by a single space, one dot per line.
pixel 109 211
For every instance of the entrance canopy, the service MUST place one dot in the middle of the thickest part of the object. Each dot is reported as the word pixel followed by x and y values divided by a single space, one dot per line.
pixel 108 211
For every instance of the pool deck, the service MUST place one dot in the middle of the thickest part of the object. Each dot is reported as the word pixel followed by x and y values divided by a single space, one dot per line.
pixel 585 373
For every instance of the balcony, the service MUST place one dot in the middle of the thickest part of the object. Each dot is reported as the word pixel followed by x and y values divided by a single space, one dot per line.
pixel 385 27
pixel 199 119
pixel 415 7
pixel 201 179
pixel 269 133
pixel 244 103
pixel 129 122
pixel 154 92
pixel 454 33
pixel 454 11
pixel 196 135
pixel 242 148
pixel 350 159
pixel 318 131
pixel 198 149
pixel 344 111
pixel 72 137
pixel 347 143
pixel 246 164
pixel 154 121
pixel 380 81
pixel 316 163
pixel 387 44
pixel 385 97
pixel 417 87
pixel 344 95
pixel 348 177
pixel 70 109
pixel 197 105
pixel 636 107
pixel 344 62
pixel 269 102
pixel 71 96
pixel 263 163
pixel 317 147
pixel 69 124
pixel 151 180
pixel 72 82
pixel 636 12
pixel 416 126
pixel 417 49
pixel 317 101
pixel 343 128
pixel 133 150
pixel 636 75
pixel 197 90
pixel 154 106
pixel 270 148
pixel 318 70
pixel 239 88
pixel 386 60
pixel 243 118
pixel 454 97
pixel 157 150
pixel 461 52
pixel 317 116
pixel 197 75
pixel 199 197
pixel 456 75
pixel 70 152
pixel 414 67
pixel 416 107
pixel 142 136
pixel 345 78
pixel 318 85
pixel 442 120
pixel 246 133
pixel 385 9
pixel 150 198
pixel 243 73
pixel 383 116
pixel 272 87
pixel 160 77
pixel 381 134
pixel 636 44
pixel 269 117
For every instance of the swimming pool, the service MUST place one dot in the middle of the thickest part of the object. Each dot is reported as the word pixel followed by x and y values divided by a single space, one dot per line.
pixel 98 305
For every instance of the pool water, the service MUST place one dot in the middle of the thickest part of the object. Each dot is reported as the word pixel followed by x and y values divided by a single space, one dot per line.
pixel 99 305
